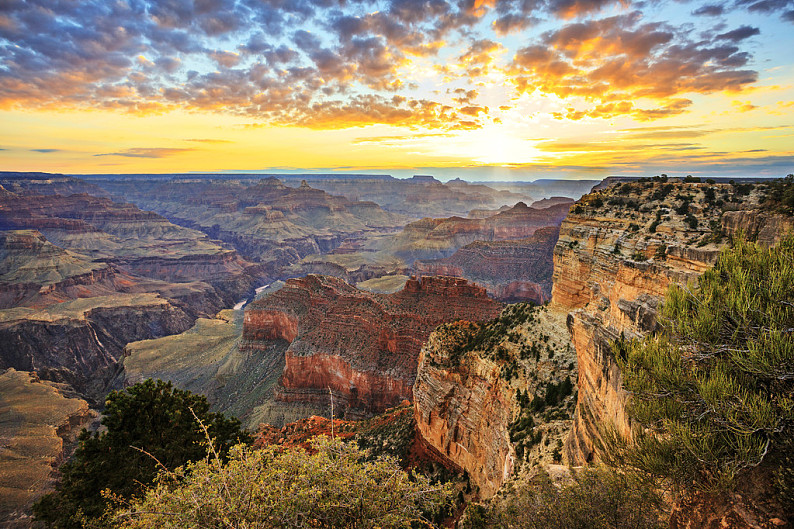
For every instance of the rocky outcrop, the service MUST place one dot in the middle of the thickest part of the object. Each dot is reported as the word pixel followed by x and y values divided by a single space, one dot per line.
pixel 362 346
pixel 76 341
pixel 618 251
pixel 439 238
pixel 39 422
pixel 259 215
pixel 511 271
pixel 481 389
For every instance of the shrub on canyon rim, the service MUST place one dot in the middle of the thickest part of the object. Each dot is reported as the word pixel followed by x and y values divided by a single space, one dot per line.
pixel 330 487
pixel 714 391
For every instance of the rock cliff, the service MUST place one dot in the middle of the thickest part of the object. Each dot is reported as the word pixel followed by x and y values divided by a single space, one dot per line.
pixel 491 397
pixel 511 271
pixel 39 422
pixel 362 346
pixel 618 251
pixel 439 238
pixel 77 341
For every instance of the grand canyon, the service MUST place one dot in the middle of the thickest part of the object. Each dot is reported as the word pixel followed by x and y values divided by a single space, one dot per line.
pixel 338 264
pixel 484 340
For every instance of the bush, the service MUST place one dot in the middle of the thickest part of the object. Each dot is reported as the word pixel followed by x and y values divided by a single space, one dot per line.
pixel 597 499
pixel 780 194
pixel 714 392
pixel 147 424
pixel 328 488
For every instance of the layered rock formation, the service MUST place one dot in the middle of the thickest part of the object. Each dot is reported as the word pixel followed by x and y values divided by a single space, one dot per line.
pixel 137 242
pixel 261 217
pixel 361 346
pixel 439 238
pixel 77 341
pixel 490 397
pixel 618 251
pixel 420 196
pixel 39 422
pixel 511 271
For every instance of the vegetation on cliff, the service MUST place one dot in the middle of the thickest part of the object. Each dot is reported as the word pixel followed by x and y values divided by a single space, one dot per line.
pixel 592 499
pixel 780 194
pixel 713 391
pixel 331 486
pixel 150 425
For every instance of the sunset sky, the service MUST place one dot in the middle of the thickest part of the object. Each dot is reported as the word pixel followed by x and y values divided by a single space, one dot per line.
pixel 497 89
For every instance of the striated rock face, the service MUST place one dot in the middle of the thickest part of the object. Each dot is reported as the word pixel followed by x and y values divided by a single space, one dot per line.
pixel 260 217
pixel 464 410
pixel 474 387
pixel 512 270
pixel 76 340
pixel 362 346
pixel 39 422
pixel 618 251
pixel 439 238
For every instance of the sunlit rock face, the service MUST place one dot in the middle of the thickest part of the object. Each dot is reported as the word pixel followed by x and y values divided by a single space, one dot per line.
pixel 363 347
pixel 618 252
pixel 437 238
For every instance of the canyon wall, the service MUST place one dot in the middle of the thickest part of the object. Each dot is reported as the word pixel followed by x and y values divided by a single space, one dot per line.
pixel 39 423
pixel 511 271
pixel 480 397
pixel 618 251
pixel 362 346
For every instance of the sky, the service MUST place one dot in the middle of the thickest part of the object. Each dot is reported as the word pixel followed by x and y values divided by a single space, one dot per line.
pixel 481 89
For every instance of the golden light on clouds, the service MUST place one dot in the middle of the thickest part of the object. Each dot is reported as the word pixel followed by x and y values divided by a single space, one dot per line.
pixel 543 87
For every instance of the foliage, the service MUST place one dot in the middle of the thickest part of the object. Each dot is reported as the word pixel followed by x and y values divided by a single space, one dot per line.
pixel 148 424
pixel 714 392
pixel 596 499
pixel 780 194
pixel 328 487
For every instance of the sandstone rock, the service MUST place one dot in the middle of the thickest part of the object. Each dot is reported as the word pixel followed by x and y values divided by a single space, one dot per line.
pixel 511 270
pixel 466 395
pixel 618 251
pixel 362 346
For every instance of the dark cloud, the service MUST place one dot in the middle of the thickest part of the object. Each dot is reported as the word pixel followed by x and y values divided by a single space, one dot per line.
pixel 712 10
pixel 45 151
pixel 740 33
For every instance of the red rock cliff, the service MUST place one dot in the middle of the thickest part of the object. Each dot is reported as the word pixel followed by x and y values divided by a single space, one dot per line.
pixel 363 346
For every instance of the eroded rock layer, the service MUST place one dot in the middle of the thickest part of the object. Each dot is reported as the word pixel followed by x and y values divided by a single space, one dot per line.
pixel 362 346
pixel 491 397
pixel 512 270
pixel 618 251
pixel 39 421
pixel 438 238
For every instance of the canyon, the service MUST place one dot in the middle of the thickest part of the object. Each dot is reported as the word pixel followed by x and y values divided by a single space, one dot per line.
pixel 431 238
pixel 97 294
pixel 511 270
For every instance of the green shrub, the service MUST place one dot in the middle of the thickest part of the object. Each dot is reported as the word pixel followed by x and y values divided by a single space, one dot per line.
pixel 332 487
pixel 714 392
pixel 596 499
pixel 148 425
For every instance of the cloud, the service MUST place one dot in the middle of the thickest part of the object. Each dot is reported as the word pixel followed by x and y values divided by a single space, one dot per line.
pixel 340 63
pixel 740 33
pixel 711 10
pixel 617 61
pixel 45 151
pixel 147 152
pixel 208 140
